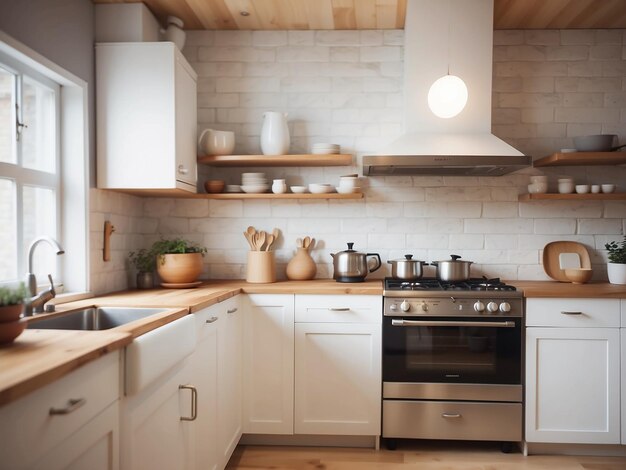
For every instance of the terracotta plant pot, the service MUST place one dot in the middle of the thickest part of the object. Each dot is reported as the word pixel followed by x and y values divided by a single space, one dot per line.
pixel 11 330
pixel 10 313
pixel 179 268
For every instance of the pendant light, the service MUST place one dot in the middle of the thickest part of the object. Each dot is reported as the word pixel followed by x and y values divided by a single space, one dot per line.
pixel 448 95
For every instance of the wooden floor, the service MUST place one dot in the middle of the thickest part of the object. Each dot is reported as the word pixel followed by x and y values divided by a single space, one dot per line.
pixel 413 455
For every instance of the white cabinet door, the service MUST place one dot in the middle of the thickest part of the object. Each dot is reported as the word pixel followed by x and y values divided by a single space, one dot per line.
pixel 204 366
pixel 623 362
pixel 268 364
pixel 572 385
pixel 338 378
pixel 94 447
pixel 153 434
pixel 229 370
pixel 146 117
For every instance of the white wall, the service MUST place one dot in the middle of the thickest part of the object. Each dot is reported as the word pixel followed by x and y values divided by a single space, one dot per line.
pixel 345 87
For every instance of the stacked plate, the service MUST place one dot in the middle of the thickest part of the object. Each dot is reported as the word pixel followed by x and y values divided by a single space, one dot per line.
pixel 254 183
pixel 321 188
pixel 324 148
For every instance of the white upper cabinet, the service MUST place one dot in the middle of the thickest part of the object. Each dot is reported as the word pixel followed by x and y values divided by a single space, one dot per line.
pixel 146 117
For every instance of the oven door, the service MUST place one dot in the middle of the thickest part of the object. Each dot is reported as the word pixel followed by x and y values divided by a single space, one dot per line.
pixel 452 350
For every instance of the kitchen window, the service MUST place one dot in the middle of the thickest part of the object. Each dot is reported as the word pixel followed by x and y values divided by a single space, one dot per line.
pixel 44 168
pixel 29 169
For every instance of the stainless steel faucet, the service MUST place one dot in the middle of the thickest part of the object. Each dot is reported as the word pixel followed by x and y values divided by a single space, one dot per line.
pixel 36 302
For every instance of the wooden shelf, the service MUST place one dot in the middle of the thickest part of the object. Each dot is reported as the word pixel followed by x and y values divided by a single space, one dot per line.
pixel 282 196
pixel 573 197
pixel 181 194
pixel 582 158
pixel 277 160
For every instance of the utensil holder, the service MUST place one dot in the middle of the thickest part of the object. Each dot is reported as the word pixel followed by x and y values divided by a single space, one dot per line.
pixel 261 267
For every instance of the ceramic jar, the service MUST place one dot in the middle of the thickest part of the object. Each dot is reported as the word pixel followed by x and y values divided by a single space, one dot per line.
pixel 279 187
pixel 301 267
pixel 275 134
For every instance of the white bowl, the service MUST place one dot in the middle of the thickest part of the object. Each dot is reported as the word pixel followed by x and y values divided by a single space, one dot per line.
pixel 538 188
pixel 298 189
pixel 317 188
pixel 344 190
pixel 255 188
pixel 582 188
pixel 539 179
pixel 233 188
pixel 608 188
pixel 566 187
pixel 595 188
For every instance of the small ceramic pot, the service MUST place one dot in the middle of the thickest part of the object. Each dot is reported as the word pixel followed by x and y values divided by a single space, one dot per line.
pixel 179 268
pixel 145 280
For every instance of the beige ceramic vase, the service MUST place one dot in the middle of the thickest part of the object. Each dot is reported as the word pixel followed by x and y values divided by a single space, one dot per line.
pixel 301 267
pixel 179 268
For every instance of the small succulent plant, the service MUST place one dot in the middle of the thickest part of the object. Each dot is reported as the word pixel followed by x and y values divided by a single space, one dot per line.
pixel 12 296
pixel 617 251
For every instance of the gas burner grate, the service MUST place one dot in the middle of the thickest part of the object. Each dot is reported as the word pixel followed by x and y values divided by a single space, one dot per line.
pixel 432 284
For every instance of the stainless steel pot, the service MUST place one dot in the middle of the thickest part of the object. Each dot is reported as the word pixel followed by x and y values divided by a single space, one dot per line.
pixel 351 266
pixel 453 270
pixel 408 269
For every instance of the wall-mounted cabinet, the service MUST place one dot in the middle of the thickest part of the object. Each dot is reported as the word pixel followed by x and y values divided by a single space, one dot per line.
pixel 146 117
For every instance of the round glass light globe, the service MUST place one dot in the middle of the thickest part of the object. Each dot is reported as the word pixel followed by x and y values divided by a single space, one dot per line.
pixel 447 96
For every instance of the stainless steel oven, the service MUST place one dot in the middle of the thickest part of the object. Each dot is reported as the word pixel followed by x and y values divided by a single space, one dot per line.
pixel 452 361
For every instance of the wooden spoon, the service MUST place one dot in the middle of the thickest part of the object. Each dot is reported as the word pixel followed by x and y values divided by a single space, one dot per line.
pixel 262 236
pixel 299 242
pixel 247 235
pixel 306 242
pixel 270 240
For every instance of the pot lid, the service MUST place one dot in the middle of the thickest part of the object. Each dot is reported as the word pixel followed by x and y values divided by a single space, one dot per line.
pixel 407 259
pixel 454 259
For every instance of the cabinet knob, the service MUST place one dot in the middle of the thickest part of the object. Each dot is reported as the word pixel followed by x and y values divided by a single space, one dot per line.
pixel 182 170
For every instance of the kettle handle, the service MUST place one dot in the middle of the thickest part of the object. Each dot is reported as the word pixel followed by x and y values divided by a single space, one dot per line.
pixel 378 262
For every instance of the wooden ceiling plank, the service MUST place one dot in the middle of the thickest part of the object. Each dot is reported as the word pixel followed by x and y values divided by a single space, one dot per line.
pixel 400 14
pixel 343 14
pixel 508 13
pixel 365 13
pixel 235 7
pixel 213 15
pixel 294 14
pixel 179 8
pixel 320 14
pixel 542 13
pixel 386 14
pixel 599 14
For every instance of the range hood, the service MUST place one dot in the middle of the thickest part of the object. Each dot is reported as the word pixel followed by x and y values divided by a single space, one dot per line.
pixel 454 34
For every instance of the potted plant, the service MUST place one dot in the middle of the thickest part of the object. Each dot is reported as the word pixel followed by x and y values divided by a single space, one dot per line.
pixel 178 261
pixel 144 261
pixel 616 267
pixel 11 307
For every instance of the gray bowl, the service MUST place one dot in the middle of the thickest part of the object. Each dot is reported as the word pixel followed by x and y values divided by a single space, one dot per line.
pixel 594 143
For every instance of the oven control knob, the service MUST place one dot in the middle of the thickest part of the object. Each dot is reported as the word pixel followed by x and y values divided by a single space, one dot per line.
pixel 505 307
pixel 393 307
pixel 479 306
pixel 492 307
pixel 425 307
pixel 405 306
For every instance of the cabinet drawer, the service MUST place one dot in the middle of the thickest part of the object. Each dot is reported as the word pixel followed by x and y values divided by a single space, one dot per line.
pixel 452 420
pixel 339 309
pixel 28 429
pixel 583 313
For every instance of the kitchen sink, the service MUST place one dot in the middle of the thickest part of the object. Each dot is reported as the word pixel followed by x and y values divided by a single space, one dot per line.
pixel 93 318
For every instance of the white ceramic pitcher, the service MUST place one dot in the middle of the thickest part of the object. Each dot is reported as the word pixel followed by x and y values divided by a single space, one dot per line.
pixel 275 134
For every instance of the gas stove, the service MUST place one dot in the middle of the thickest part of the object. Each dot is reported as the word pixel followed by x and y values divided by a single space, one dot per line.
pixel 430 296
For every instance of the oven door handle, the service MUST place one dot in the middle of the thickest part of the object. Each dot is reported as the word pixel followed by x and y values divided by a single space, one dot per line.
pixel 487 324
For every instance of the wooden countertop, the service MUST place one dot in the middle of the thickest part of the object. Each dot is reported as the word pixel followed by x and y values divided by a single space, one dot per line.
pixel 556 289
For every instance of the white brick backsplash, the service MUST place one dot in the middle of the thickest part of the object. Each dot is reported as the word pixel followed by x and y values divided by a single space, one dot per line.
pixel 600 227
pixel 346 87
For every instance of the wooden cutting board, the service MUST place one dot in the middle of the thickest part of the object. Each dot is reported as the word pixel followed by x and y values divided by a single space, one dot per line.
pixel 553 250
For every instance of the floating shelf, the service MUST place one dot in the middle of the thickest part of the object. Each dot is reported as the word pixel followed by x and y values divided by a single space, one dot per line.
pixel 573 197
pixel 181 194
pixel 582 158
pixel 277 160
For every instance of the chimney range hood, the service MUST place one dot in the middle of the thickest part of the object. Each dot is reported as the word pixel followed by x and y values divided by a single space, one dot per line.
pixel 461 145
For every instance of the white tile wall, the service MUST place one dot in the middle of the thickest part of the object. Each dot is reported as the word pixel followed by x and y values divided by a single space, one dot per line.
pixel 346 87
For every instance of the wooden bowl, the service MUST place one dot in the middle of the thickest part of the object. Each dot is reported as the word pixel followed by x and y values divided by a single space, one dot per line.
pixel 214 186
pixel 578 275
pixel 179 268
pixel 11 330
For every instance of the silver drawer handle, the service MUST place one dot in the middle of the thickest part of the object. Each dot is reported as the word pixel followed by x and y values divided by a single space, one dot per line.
pixel 571 313
pixel 231 310
pixel 211 320
pixel 487 324
pixel 182 170
pixel 72 405
pixel 339 309
pixel 194 402
pixel 450 415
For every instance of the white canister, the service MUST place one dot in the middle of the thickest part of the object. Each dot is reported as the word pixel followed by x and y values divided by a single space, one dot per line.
pixel 279 187
pixel 275 134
